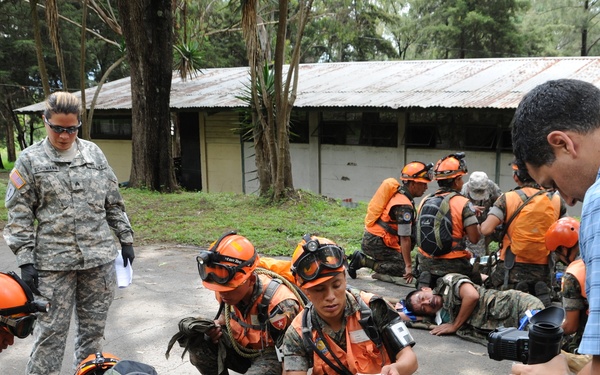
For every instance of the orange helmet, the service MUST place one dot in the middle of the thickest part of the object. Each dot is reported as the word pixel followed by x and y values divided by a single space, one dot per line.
pixel 564 232
pixel 316 260
pixel 228 262
pixel 450 166
pixel 417 171
pixel 96 364
pixel 16 305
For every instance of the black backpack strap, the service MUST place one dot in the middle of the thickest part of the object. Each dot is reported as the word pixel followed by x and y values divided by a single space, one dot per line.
pixel 366 320
pixel 263 305
pixel 458 240
pixel 307 328
pixel 386 226
pixel 509 256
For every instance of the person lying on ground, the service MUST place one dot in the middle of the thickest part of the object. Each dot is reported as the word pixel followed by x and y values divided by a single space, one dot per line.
pixel 459 306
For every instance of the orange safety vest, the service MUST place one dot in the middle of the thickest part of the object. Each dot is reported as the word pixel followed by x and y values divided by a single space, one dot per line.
pixel 361 356
pixel 457 203
pixel 247 331
pixel 537 253
pixel 390 239
pixel 577 269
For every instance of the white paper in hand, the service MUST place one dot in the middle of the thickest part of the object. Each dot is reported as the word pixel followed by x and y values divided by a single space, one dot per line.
pixel 124 274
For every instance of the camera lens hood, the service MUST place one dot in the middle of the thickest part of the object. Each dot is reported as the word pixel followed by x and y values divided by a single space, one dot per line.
pixel 553 315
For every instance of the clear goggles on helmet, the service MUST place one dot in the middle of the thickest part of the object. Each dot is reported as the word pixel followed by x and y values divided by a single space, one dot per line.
pixel 20 327
pixel 211 270
pixel 426 172
pixel 316 257
pixel 462 166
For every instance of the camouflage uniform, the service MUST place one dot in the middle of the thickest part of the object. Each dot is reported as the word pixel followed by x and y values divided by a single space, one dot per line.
pixel 574 300
pixel 204 354
pixel 492 193
pixel 61 218
pixel 530 273
pixel 299 357
pixel 389 261
pixel 495 308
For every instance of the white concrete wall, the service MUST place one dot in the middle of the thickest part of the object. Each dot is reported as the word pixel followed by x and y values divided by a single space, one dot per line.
pixel 222 155
pixel 355 172
pixel 118 154
pixel 300 170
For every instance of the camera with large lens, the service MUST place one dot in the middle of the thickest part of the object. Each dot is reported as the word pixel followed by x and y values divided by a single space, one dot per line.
pixel 538 345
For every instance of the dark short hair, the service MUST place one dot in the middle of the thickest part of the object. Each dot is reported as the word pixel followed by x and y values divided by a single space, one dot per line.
pixel 408 303
pixel 447 183
pixel 563 104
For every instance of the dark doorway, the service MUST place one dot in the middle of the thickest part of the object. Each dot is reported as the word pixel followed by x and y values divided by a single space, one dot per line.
pixel 190 176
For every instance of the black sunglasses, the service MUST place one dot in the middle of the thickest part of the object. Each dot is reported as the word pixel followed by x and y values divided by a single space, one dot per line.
pixel 60 129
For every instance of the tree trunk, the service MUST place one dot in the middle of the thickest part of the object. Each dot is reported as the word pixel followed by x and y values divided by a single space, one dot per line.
pixel 584 29
pixel 148 32
pixel 52 21
pixel 38 47
pixel 86 128
pixel 10 132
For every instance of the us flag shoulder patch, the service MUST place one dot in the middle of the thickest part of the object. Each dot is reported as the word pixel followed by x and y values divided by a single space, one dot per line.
pixel 17 179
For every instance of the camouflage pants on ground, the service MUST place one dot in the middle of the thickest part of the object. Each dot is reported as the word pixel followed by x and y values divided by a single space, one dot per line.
pixel 440 267
pixel 497 308
pixel 388 261
pixel 204 355
pixel 90 292
pixel 521 272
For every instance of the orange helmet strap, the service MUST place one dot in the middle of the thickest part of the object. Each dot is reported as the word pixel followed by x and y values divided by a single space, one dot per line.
pixel 30 306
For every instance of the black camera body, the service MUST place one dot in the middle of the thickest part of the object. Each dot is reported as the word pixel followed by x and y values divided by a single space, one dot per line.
pixel 538 345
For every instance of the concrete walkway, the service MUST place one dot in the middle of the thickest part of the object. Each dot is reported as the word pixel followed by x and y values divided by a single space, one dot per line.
pixel 167 288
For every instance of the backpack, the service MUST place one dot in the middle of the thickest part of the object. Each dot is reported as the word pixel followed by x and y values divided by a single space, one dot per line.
pixel 382 196
pixel 540 214
pixel 434 224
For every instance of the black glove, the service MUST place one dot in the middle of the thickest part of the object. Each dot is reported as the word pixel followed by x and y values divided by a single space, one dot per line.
pixel 127 253
pixel 30 276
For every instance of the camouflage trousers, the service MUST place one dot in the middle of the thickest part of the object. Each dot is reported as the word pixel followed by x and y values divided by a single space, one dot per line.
pixel 437 268
pixel 495 309
pixel 90 293
pixel 480 248
pixel 388 261
pixel 521 272
pixel 204 355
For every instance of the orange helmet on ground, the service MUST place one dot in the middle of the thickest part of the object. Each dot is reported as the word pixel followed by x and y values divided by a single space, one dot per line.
pixel 228 262
pixel 417 171
pixel 450 166
pixel 564 232
pixel 16 305
pixel 316 260
pixel 96 364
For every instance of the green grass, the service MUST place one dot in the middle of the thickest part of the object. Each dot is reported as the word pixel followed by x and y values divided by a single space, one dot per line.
pixel 197 218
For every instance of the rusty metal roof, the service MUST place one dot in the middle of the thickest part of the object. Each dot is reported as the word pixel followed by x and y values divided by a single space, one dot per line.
pixel 467 83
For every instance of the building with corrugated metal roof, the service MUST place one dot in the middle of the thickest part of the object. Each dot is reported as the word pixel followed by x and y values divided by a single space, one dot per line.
pixel 354 123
